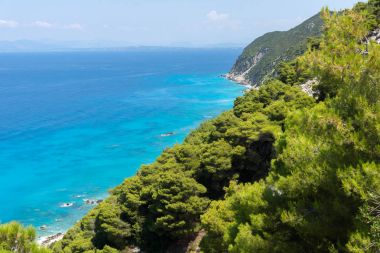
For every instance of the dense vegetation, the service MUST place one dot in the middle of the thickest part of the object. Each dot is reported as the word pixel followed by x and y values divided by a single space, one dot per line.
pixel 322 193
pixel 280 172
pixel 15 238
pixel 259 60
pixel 162 204
pixel 302 176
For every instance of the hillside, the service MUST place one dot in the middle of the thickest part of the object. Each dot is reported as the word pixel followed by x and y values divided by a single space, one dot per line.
pixel 260 59
pixel 280 172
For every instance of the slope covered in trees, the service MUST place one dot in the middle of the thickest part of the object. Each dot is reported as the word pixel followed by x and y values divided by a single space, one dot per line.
pixel 280 172
pixel 260 59
pixel 162 204
pixel 303 176
pixel 322 193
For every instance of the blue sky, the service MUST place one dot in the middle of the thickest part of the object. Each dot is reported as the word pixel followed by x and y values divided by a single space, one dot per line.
pixel 153 22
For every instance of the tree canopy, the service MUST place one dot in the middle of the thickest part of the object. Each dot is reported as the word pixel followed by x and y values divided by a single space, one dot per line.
pixel 16 238
pixel 280 172
pixel 322 190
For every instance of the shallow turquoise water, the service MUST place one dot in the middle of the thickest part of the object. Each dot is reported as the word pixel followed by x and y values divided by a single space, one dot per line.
pixel 73 125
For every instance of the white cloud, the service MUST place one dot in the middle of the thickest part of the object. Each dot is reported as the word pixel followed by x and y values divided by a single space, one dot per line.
pixel 73 27
pixel 42 24
pixel 221 21
pixel 8 23
pixel 216 16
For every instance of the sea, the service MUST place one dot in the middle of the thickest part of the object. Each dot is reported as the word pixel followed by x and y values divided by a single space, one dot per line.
pixel 73 125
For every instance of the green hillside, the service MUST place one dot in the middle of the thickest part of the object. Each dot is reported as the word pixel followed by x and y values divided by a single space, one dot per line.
pixel 280 172
pixel 260 59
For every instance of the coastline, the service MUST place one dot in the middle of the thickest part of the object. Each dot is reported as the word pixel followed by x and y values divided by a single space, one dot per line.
pixel 49 233
pixel 95 142
pixel 240 80
pixel 49 240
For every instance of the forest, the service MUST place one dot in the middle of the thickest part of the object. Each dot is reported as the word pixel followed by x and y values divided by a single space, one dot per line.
pixel 282 171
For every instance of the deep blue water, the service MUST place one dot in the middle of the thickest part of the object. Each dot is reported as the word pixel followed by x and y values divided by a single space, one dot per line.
pixel 73 125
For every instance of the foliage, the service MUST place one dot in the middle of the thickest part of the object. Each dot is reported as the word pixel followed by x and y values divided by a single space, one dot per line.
pixel 275 47
pixel 162 204
pixel 16 238
pixel 294 72
pixel 277 173
pixel 340 56
pixel 373 8
pixel 322 192
pixel 289 73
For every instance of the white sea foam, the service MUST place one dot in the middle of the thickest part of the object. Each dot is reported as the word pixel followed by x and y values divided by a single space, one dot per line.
pixel 65 205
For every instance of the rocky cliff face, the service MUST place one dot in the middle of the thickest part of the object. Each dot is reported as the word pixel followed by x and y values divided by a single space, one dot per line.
pixel 375 35
pixel 260 59
pixel 240 74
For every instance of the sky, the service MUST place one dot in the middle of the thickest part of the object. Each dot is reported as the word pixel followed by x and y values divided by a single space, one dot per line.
pixel 153 22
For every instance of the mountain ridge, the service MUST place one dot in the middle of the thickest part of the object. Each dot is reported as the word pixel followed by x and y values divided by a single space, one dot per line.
pixel 259 59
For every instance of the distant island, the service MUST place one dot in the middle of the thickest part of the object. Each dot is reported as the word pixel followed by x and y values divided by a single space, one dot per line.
pixel 22 46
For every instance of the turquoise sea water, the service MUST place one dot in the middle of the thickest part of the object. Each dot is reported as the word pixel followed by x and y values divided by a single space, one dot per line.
pixel 73 125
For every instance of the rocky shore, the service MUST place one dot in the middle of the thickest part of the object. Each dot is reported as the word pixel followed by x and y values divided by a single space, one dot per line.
pixel 48 240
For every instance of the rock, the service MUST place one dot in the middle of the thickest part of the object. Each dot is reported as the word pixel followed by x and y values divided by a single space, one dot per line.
pixel 43 227
pixel 92 201
pixel 69 204
pixel 46 241
pixel 241 77
pixel 167 134
pixel 308 87
pixel 374 35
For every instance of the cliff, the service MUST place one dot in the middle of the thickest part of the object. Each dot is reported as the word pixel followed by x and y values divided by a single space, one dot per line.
pixel 259 59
